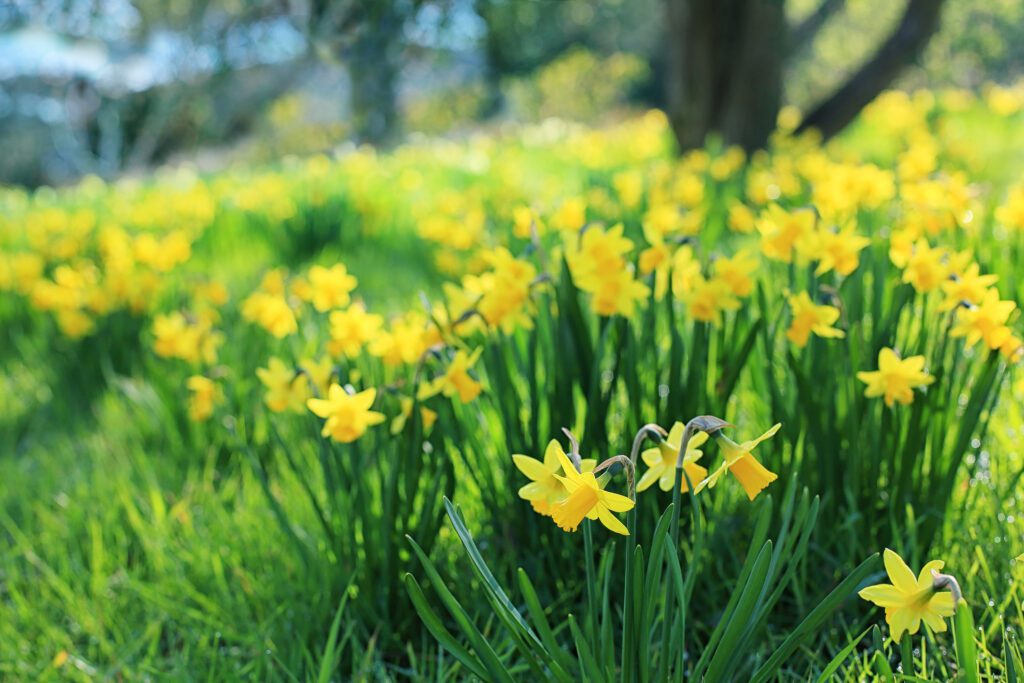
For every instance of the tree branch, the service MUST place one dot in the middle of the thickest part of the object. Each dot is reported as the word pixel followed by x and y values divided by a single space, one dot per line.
pixel 803 34
pixel 920 21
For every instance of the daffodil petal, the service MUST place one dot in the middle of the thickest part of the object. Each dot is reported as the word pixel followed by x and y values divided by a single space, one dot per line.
pixel 883 595
pixel 533 469
pixel 611 521
pixel 899 572
pixel 615 502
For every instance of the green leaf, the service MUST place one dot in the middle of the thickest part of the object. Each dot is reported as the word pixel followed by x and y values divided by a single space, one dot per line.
pixel 585 654
pixel 966 648
pixel 882 667
pixel 483 648
pixel 725 659
pixel 813 621
pixel 440 633
pixel 840 657
pixel 547 635
pixel 527 640
pixel 334 644
pixel 1010 660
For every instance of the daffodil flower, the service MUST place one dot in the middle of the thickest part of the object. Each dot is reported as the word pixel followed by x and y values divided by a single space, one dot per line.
pixel 348 416
pixel 908 600
pixel 587 499
pixel 545 489
pixel 809 317
pixel 204 395
pixel 740 461
pixel 456 379
pixel 661 460
pixel 285 389
pixel 895 379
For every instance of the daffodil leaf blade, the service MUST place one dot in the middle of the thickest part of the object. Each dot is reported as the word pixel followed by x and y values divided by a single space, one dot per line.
pixel 966 648
pixel 833 666
pixel 736 628
pixel 815 619
pixel 437 629
pixel 545 632
pixel 487 654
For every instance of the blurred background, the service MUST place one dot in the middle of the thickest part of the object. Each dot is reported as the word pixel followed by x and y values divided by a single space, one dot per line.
pixel 113 87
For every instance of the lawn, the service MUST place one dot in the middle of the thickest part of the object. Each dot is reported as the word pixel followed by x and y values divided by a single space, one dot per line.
pixel 412 415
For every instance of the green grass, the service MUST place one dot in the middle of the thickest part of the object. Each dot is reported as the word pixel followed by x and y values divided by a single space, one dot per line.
pixel 139 545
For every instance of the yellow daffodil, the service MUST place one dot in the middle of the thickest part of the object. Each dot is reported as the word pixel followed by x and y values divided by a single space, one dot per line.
pixel 969 286
pixel 629 186
pixel 545 488
pixel 348 415
pixel 662 218
pixel 1011 214
pixel 428 416
pixel 352 329
pixel 741 217
pixel 1012 349
pixel 783 231
pixel 708 299
pixel 271 312
pixel 740 461
pixel 895 379
pixel 586 499
pixel 686 272
pixel 286 389
pixel 737 272
pixel 503 293
pixel 926 268
pixel 661 460
pixel 330 287
pixel 204 395
pixel 571 215
pixel 319 373
pixel 839 251
pixel 656 259
pixel 405 342
pixel 908 600
pixel 524 221
pixel 191 340
pixel 599 251
pixel 809 317
pixel 618 293
pixel 985 321
pixel 456 379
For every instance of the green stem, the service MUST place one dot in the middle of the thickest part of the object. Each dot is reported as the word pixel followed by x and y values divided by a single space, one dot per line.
pixel 628 636
pixel 669 611
pixel 588 546
pixel 907 655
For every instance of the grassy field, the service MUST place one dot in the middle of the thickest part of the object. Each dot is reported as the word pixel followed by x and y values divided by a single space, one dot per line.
pixel 260 425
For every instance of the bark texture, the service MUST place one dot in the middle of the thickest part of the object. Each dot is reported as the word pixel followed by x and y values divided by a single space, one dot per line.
pixel 724 68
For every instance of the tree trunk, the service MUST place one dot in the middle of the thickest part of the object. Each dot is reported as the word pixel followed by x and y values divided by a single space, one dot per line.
pixel 374 60
pixel 919 23
pixel 724 69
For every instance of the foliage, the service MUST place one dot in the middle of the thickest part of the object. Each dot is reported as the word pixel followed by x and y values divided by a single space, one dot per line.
pixel 233 415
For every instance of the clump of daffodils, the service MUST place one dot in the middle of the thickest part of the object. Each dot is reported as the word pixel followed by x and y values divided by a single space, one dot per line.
pixel 568 489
